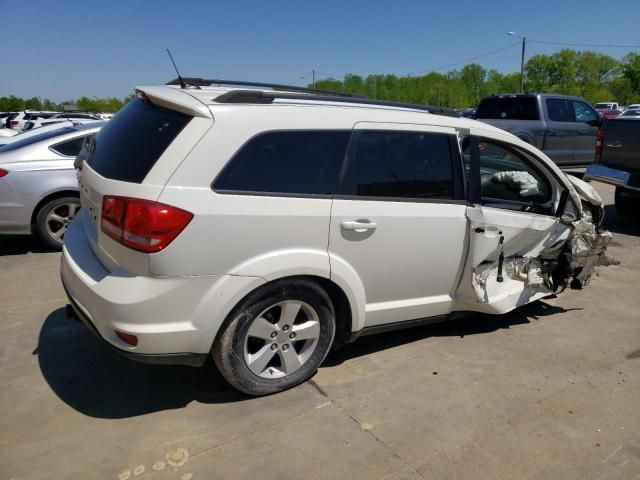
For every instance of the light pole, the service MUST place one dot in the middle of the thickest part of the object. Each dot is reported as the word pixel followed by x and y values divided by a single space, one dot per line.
pixel 524 41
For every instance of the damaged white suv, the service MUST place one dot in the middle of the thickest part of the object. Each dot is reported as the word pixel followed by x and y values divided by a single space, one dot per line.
pixel 262 226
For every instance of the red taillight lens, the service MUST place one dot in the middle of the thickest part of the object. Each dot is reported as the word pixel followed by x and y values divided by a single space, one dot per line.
pixel 599 142
pixel 3 173
pixel 127 338
pixel 142 225
pixel 14 122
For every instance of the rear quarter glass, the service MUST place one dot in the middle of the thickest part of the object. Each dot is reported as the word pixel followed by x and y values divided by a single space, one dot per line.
pixel 128 147
pixel 508 108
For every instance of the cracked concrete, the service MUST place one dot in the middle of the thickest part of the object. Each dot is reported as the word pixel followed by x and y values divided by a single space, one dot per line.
pixel 549 391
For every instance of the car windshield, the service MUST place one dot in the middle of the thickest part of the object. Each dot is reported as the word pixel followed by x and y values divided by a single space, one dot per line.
pixel 508 108
pixel 35 138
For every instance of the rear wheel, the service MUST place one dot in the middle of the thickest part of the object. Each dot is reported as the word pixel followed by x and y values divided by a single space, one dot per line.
pixel 276 338
pixel 626 204
pixel 53 219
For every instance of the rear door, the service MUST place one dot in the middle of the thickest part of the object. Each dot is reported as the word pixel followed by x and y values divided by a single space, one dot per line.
pixel 586 125
pixel 398 220
pixel 560 134
pixel 513 227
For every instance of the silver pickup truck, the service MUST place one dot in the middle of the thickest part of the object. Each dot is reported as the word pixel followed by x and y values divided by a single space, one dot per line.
pixel 618 161
pixel 562 126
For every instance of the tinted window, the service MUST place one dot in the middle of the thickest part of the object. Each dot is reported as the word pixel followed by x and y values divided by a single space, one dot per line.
pixel 506 174
pixel 403 165
pixel 508 107
pixel 70 148
pixel 130 144
pixel 558 110
pixel 303 162
pixel 35 138
pixel 583 113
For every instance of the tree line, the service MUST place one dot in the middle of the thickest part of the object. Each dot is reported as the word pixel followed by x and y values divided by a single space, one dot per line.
pixel 96 105
pixel 591 75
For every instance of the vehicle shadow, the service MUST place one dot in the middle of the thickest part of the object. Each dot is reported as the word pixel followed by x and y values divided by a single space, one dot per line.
pixel 21 244
pixel 96 381
pixel 473 324
pixel 617 223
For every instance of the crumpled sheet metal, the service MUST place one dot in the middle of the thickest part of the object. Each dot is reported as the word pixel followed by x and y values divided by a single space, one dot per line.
pixel 588 250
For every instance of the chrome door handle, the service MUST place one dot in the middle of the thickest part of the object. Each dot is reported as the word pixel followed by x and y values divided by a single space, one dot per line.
pixel 358 226
pixel 616 144
pixel 552 133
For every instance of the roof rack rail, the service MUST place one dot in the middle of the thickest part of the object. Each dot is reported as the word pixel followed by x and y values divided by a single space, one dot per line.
pixel 259 96
pixel 204 82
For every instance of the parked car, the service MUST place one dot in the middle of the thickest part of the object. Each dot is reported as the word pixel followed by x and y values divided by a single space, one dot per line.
pixel 76 116
pixel 631 113
pixel 38 184
pixel 618 162
pixel 17 121
pixel 607 106
pixel 563 127
pixel 60 127
pixel 35 124
pixel 295 221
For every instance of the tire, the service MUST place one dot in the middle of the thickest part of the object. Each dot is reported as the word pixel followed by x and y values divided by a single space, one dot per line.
pixel 626 205
pixel 53 219
pixel 254 352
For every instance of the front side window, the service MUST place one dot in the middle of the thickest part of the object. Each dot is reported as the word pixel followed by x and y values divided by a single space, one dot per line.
pixel 287 162
pixel 506 174
pixel 558 109
pixel 583 112
pixel 403 165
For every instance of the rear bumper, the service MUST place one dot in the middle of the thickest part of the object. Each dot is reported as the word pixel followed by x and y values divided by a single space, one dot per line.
pixel 174 318
pixel 190 359
pixel 612 176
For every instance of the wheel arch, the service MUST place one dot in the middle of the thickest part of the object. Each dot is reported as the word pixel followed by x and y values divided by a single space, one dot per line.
pixel 52 196
pixel 339 298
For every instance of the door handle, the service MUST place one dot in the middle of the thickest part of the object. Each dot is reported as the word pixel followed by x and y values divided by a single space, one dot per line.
pixel 358 226
pixel 616 144
pixel 552 133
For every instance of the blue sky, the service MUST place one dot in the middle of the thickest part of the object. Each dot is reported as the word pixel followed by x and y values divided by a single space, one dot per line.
pixel 66 49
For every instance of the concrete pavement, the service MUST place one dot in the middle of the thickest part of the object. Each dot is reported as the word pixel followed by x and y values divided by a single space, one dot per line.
pixel 549 391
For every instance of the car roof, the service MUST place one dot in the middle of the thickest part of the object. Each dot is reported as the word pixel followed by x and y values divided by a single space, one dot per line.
pixel 350 108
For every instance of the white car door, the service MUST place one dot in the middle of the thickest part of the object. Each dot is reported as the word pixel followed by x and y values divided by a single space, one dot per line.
pixel 398 220
pixel 515 233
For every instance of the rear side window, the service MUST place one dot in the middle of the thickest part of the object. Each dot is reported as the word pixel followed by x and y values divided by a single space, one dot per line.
pixel 70 148
pixel 289 162
pixel 403 165
pixel 508 108
pixel 35 138
pixel 129 145
pixel 559 110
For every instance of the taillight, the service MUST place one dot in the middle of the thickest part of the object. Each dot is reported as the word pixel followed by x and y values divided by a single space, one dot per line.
pixel 14 122
pixel 599 141
pixel 3 173
pixel 142 225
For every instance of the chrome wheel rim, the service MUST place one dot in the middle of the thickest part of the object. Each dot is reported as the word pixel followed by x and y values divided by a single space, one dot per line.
pixel 58 219
pixel 281 339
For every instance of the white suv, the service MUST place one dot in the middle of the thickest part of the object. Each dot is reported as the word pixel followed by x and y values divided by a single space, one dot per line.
pixel 263 226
